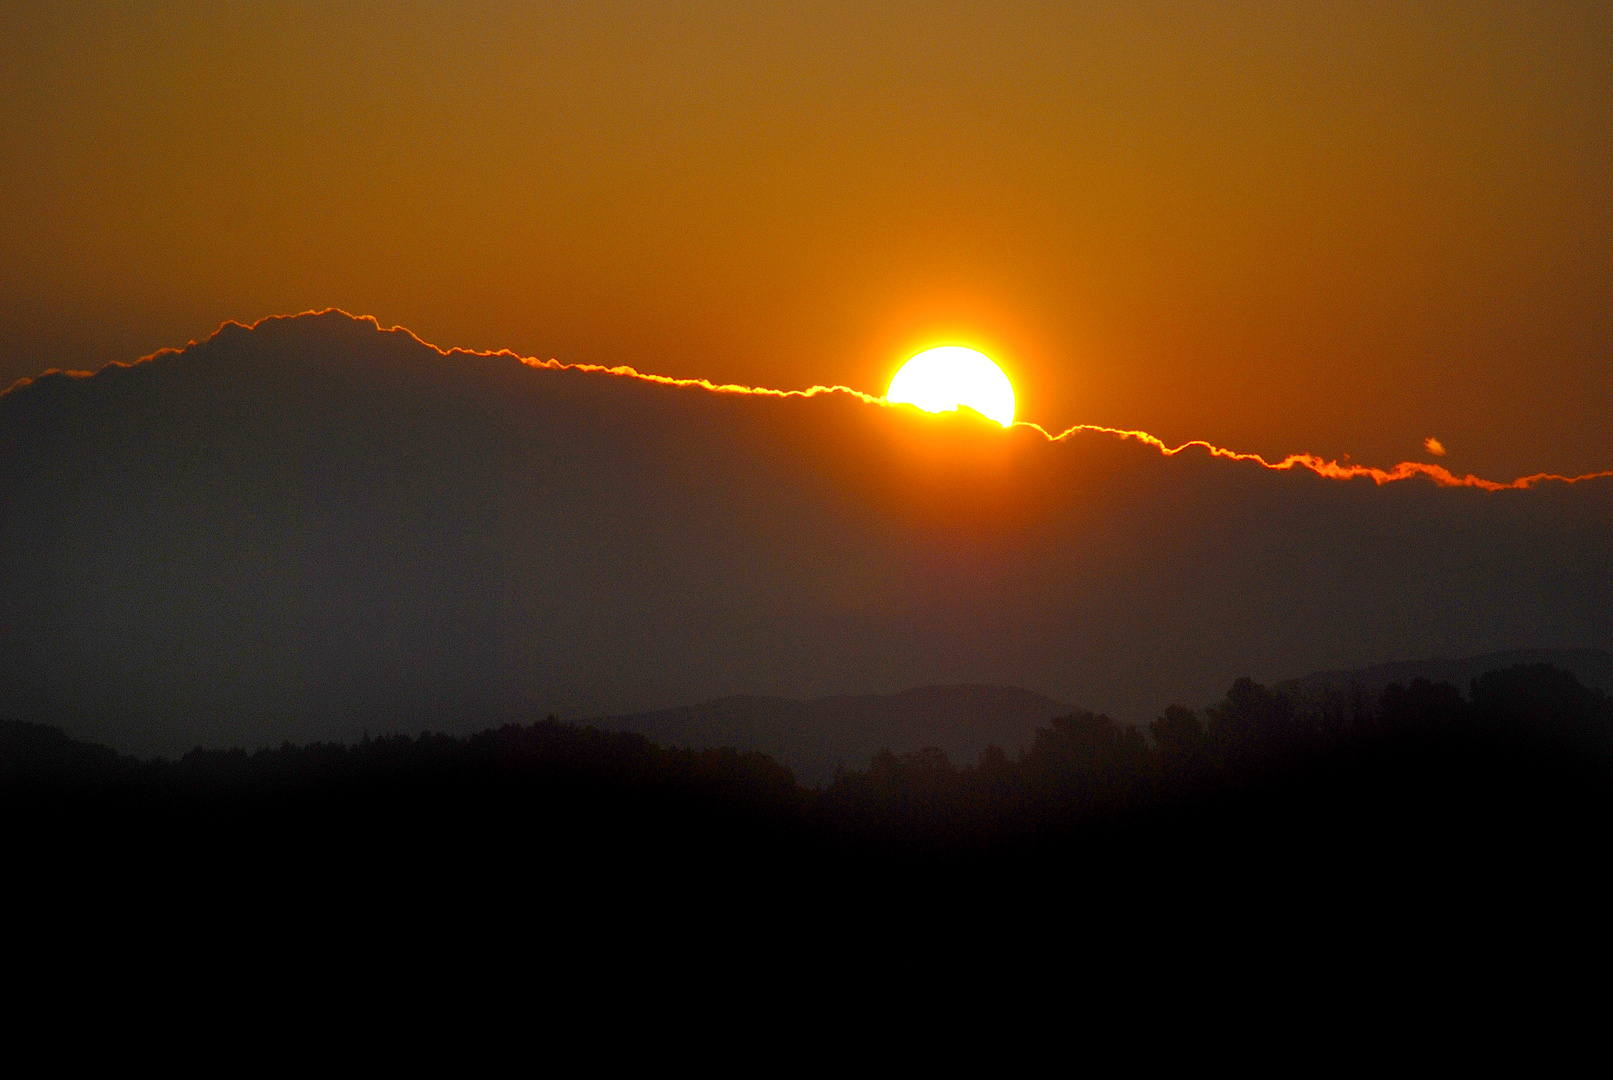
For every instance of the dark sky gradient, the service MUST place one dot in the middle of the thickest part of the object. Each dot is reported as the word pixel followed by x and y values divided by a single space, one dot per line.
pixel 1334 228
pixel 314 527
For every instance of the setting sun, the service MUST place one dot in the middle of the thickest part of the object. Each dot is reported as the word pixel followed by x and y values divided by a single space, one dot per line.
pixel 940 380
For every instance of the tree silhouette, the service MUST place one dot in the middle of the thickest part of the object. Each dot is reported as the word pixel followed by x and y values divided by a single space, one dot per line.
pixel 1525 759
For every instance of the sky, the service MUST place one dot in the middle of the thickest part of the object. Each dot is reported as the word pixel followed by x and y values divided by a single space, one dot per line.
pixel 1339 229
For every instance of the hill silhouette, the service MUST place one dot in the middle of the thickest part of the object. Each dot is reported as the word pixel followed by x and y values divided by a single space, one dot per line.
pixel 1257 830
pixel 815 737
pixel 1514 775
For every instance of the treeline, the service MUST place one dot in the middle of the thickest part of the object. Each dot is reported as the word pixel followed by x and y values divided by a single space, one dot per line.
pixel 38 762
pixel 525 802
pixel 1522 743
pixel 1526 748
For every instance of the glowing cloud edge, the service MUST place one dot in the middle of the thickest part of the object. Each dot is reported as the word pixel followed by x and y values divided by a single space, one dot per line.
pixel 1332 470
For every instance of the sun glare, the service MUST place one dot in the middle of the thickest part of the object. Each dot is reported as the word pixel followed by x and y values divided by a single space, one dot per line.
pixel 940 380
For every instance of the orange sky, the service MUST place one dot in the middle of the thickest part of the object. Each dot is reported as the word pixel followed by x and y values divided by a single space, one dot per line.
pixel 1335 229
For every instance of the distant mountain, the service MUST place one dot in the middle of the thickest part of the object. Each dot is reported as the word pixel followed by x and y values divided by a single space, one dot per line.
pixel 812 737
pixel 1592 667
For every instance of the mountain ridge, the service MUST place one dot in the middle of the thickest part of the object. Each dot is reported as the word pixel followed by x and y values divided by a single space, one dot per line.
pixel 1592 667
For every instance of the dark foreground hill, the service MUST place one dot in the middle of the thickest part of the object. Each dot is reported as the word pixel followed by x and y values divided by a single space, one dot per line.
pixel 813 737
pixel 1258 809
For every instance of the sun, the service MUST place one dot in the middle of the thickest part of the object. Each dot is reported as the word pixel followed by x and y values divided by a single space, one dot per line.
pixel 940 380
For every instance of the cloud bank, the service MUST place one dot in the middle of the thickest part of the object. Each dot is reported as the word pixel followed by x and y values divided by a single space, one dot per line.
pixel 315 526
